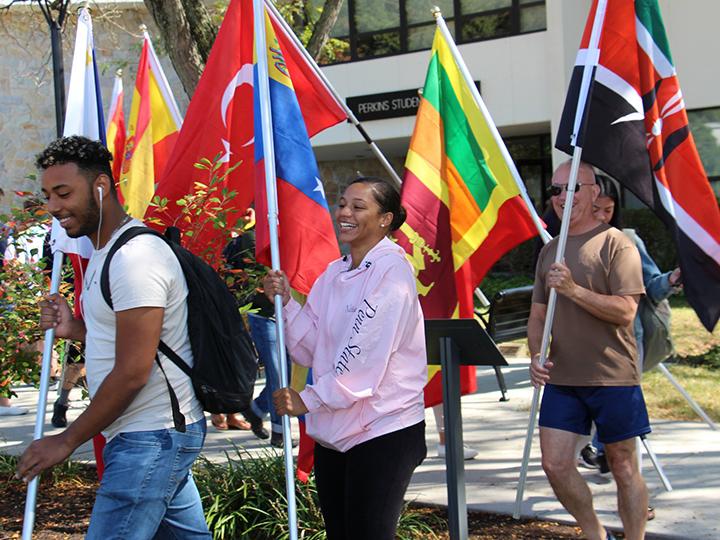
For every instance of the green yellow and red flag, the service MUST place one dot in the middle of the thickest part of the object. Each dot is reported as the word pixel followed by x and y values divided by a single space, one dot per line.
pixel 153 128
pixel 464 209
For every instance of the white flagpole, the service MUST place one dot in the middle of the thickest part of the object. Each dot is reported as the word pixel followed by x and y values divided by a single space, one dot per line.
pixel 591 61
pixel 271 189
pixel 544 235
pixel 31 496
pixel 351 116
pixel 77 120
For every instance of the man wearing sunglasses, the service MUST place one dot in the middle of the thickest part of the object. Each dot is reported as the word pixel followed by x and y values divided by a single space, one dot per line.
pixel 592 372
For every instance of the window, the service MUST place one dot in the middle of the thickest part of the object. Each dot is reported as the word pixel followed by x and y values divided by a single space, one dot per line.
pixel 531 155
pixel 373 28
pixel 421 22
pixel 705 128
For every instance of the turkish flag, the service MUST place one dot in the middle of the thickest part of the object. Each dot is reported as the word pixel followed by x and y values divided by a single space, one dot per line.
pixel 219 120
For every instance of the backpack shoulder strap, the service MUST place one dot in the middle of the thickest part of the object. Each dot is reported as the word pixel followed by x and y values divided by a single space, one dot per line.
pixel 124 238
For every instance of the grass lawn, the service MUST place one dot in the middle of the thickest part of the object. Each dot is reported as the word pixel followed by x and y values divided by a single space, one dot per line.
pixel 697 369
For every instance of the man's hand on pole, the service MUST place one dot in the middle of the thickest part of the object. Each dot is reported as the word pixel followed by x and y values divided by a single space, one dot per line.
pixel 539 374
pixel 560 279
pixel 42 454
pixel 55 313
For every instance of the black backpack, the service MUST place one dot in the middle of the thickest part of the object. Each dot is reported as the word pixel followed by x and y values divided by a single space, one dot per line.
pixel 225 363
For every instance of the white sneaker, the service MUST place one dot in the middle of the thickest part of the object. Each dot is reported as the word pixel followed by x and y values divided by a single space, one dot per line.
pixel 12 411
pixel 468 453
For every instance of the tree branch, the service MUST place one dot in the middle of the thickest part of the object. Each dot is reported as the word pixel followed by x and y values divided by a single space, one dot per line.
pixel 180 43
pixel 330 12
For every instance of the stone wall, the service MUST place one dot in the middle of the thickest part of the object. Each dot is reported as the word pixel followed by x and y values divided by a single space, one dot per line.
pixel 27 103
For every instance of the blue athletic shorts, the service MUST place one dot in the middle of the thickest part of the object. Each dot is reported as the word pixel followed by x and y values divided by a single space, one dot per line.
pixel 619 412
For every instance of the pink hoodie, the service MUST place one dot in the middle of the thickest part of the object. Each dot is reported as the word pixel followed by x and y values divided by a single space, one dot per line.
pixel 362 333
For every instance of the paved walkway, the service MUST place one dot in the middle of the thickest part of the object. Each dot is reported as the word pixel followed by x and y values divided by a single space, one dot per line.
pixel 688 451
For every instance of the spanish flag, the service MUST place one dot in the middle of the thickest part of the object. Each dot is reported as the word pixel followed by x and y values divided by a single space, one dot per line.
pixel 464 209
pixel 152 131
pixel 116 126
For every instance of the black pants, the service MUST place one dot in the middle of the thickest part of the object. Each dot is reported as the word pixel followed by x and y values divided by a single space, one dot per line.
pixel 361 491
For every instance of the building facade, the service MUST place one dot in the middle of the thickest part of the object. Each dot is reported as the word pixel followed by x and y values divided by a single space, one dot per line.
pixel 520 52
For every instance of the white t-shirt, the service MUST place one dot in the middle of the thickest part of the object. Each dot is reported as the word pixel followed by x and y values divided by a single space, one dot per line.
pixel 143 273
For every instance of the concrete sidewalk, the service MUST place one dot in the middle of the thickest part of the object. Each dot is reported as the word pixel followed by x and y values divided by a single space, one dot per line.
pixel 688 451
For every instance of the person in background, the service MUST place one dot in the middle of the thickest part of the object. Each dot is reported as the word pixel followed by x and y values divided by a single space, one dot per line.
pixel 658 287
pixel 236 254
pixel 362 333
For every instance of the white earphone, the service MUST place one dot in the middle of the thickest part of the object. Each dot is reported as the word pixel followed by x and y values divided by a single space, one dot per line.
pixel 100 193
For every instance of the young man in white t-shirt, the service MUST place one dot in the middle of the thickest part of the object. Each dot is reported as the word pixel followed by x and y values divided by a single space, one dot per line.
pixel 147 488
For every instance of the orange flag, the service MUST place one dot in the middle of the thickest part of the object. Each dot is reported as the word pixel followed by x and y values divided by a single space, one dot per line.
pixel 152 131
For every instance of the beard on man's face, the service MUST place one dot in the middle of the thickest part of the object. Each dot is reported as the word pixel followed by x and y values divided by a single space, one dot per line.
pixel 88 220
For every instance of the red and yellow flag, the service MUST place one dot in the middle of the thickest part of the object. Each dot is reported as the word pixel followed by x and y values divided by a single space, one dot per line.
pixel 153 128
pixel 115 136
pixel 464 208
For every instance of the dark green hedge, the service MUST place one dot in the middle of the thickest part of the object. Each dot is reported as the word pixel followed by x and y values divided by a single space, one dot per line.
pixel 653 232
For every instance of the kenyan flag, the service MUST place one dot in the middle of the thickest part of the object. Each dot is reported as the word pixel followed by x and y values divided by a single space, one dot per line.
pixel 636 130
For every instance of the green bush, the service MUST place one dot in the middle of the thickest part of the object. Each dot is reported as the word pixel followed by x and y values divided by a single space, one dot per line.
pixel 494 283
pixel 519 260
pixel 245 499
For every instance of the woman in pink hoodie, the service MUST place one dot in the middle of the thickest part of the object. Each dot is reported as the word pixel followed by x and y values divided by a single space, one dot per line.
pixel 361 330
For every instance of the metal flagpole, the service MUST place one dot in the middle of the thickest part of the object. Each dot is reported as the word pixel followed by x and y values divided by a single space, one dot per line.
pixel 656 464
pixel 55 26
pixel 351 116
pixel 491 125
pixel 271 189
pixel 31 496
pixel 591 61
pixel 695 407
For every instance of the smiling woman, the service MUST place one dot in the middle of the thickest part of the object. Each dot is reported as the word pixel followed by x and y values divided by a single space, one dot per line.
pixel 361 331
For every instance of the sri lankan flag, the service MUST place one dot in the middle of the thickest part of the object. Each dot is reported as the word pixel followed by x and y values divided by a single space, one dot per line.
pixel 636 129
pixel 464 210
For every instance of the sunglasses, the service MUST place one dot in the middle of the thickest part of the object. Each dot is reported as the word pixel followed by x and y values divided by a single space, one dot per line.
pixel 556 189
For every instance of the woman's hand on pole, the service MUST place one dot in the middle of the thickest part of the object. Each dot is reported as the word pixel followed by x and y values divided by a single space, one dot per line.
pixel 276 282
pixel 288 401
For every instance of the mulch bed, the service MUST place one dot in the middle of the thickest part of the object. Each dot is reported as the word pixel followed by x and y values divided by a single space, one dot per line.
pixel 63 512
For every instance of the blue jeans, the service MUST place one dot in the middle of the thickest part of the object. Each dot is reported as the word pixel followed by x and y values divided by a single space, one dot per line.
pixel 262 331
pixel 147 490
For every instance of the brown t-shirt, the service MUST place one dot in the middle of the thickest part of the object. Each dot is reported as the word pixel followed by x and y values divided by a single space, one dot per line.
pixel 585 350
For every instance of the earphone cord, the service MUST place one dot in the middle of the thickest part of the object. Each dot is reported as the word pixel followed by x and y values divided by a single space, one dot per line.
pixel 97 240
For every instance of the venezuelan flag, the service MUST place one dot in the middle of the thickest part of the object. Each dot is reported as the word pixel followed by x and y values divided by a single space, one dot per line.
pixel 306 233
pixel 464 208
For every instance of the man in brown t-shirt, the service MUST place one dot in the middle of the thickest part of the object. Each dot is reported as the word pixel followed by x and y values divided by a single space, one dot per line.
pixel 592 373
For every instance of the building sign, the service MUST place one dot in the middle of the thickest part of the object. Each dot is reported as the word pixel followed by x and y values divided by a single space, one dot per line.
pixel 387 105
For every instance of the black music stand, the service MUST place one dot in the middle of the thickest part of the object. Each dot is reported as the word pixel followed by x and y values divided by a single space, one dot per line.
pixel 452 343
